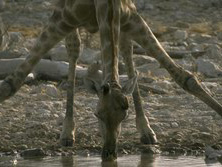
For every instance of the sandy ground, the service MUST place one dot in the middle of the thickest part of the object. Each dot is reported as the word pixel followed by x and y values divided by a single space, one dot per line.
pixel 183 124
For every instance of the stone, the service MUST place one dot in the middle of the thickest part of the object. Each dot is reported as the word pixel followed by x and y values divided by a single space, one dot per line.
pixel 44 113
pixel 160 73
pixel 174 125
pixel 180 35
pixel 207 68
pixel 89 55
pixel 214 51
pixel 145 68
pixel 202 38
pixel 15 39
pixel 58 53
pixel 144 4
pixel 141 60
pixel 35 152
pixel 2 5
pixel 23 147
pixel 52 91
pixel 212 154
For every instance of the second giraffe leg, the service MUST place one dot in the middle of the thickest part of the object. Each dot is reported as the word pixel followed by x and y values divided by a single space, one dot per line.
pixel 72 42
pixel 142 123
pixel 142 34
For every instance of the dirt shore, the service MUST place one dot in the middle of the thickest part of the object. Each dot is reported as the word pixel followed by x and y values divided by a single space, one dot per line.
pixel 183 124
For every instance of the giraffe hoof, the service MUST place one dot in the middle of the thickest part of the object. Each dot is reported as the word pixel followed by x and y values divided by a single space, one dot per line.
pixel 148 139
pixel 67 142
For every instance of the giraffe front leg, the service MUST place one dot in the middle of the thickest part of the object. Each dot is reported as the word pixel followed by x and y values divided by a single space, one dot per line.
pixel 67 137
pixel 144 36
pixel 54 32
pixel 147 135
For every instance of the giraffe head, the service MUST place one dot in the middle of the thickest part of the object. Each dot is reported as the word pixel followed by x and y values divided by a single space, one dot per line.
pixel 111 111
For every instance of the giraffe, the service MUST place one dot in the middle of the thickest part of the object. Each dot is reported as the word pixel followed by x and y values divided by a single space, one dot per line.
pixel 68 16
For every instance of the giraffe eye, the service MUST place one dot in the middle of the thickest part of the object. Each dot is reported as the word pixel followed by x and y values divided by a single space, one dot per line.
pixel 105 88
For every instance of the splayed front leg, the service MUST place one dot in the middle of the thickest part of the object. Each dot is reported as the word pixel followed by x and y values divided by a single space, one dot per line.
pixel 67 137
pixel 144 36
pixel 147 135
pixel 194 87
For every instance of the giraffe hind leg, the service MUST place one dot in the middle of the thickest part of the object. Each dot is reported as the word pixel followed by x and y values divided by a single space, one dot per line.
pixel 142 34
pixel 147 135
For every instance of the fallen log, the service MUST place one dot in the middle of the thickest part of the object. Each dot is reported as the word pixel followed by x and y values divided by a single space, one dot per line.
pixel 174 54
pixel 152 89
pixel 45 69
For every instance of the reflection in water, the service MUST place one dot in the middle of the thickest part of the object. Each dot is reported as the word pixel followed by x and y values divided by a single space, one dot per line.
pixel 67 161
pixel 146 160
pixel 109 164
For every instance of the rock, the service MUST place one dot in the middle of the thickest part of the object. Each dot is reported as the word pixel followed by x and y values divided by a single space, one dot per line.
pixel 205 136
pixel 2 5
pixel 180 35
pixel 58 53
pixel 214 52
pixel 144 4
pixel 30 78
pixel 161 73
pixel 52 91
pixel 212 154
pixel 193 46
pixel 23 147
pixel 35 152
pixel 89 55
pixel 145 68
pixel 44 113
pixel 182 25
pixel 175 34
pixel 202 38
pixel 174 125
pixel 15 39
pixel 208 68
pixel 141 60
pixel 211 3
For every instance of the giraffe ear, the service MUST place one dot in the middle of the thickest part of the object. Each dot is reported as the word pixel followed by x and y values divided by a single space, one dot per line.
pixel 92 85
pixel 129 86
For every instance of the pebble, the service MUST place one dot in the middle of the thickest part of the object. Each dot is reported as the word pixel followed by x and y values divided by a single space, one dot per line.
pixel 35 152
pixel 208 68
pixel 52 91
pixel 174 125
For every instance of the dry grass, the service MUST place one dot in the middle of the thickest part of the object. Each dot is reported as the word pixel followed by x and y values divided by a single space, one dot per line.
pixel 26 31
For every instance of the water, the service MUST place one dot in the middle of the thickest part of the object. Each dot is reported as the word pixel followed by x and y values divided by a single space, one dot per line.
pixel 95 161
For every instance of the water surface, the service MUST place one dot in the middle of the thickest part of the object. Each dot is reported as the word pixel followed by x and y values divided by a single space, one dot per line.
pixel 95 161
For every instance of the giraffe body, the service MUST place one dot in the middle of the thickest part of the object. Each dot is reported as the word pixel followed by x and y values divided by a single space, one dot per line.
pixel 94 15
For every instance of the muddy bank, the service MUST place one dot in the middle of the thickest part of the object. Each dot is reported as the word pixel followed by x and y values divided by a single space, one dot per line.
pixel 33 117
